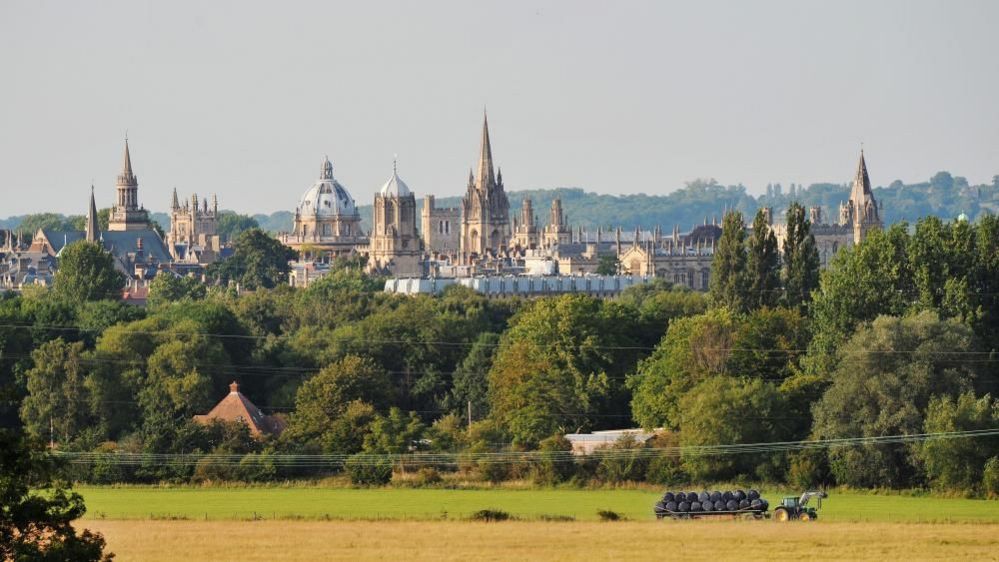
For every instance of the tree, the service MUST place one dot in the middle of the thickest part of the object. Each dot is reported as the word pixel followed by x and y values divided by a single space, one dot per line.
pixel 471 378
pixel 37 513
pixel 57 394
pixel 87 273
pixel 167 288
pixel 231 225
pixel 729 283
pixel 609 265
pixel 801 258
pixel 325 398
pixel 694 349
pixel 558 367
pixel 395 433
pixel 958 464
pixel 887 374
pixel 258 261
pixel 729 410
pixel 763 264
pixel 47 221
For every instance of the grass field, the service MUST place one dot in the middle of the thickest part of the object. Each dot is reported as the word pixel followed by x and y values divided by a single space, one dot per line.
pixel 413 541
pixel 435 504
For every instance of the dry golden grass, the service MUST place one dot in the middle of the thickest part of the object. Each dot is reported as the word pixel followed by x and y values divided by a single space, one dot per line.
pixel 412 541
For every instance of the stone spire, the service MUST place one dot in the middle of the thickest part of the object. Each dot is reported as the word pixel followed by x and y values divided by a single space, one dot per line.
pixel 861 210
pixel 92 227
pixel 175 204
pixel 126 176
pixel 486 179
pixel 861 181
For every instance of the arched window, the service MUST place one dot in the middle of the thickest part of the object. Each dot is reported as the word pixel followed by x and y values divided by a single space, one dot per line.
pixel 389 212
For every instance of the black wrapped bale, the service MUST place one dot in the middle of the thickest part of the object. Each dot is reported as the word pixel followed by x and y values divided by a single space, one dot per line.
pixel 668 497
pixel 670 506
pixel 683 507
pixel 766 504
pixel 703 497
pixel 660 507
pixel 715 496
pixel 753 495
pixel 695 506
pixel 743 503
pixel 731 505
pixel 756 504
pixel 726 495
pixel 680 497
pixel 707 506
pixel 738 495
pixel 719 505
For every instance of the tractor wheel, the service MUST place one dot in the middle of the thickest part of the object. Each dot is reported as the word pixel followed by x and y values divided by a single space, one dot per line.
pixel 805 516
pixel 782 515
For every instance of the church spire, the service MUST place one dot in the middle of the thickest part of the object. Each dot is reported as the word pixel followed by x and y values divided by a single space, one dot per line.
pixel 486 177
pixel 862 180
pixel 126 177
pixel 92 228
pixel 176 202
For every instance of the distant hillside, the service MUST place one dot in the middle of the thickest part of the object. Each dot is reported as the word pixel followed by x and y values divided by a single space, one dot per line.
pixel 943 195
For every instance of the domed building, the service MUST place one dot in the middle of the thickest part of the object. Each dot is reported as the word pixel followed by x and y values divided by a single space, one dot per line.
pixel 327 224
pixel 396 247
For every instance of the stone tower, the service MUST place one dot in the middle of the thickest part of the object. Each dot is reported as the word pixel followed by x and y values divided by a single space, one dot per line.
pixel 485 217
pixel 557 231
pixel 395 245
pixel 861 211
pixel 126 213
pixel 525 232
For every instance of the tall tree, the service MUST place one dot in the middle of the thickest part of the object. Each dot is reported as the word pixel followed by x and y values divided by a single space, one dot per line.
pixel 87 273
pixel 801 258
pixel 258 261
pixel 763 264
pixel 729 282
pixel 57 396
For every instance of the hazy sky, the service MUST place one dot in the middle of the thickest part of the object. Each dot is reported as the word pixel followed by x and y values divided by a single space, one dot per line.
pixel 243 99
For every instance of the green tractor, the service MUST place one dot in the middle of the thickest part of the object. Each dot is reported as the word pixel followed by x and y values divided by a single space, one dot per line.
pixel 796 508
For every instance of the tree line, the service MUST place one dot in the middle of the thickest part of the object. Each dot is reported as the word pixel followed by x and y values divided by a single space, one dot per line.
pixel 896 337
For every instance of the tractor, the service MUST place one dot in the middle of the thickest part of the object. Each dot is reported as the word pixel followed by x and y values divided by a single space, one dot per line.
pixel 795 508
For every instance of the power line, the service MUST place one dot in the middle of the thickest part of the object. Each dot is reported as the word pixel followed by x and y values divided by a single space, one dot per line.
pixel 333 460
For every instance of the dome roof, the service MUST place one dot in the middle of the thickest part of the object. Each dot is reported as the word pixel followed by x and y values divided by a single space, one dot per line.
pixel 395 186
pixel 326 197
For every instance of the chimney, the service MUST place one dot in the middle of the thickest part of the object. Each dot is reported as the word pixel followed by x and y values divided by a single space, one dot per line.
pixel 233 387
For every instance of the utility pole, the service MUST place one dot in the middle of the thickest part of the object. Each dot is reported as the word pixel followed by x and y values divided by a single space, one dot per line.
pixel 469 417
pixel 51 434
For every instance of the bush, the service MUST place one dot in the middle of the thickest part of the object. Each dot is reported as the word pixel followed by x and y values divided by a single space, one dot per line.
pixel 368 470
pixel 211 469
pixel 257 468
pixel 608 515
pixel 623 461
pixel 809 469
pixel 555 463
pixel 990 478
pixel 494 471
pixel 491 515
pixel 428 476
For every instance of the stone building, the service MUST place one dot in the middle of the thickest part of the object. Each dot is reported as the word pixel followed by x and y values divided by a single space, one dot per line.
pixel 192 237
pixel 327 224
pixel 395 246
pixel 857 217
pixel 136 247
pixel 440 228
pixel 485 210
pixel 525 231
pixel 557 230
pixel 127 214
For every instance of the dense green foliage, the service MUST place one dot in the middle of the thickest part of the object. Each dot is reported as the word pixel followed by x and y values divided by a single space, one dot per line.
pixel 897 338
pixel 87 273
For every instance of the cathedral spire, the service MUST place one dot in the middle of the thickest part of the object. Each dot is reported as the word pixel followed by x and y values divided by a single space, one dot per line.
pixel 126 166
pixel 176 202
pixel 486 177
pixel 92 228
pixel 861 179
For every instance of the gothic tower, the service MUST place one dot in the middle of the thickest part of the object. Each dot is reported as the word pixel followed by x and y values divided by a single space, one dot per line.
pixel 557 231
pixel 525 233
pixel 126 213
pixel 485 218
pixel 861 211
pixel 395 246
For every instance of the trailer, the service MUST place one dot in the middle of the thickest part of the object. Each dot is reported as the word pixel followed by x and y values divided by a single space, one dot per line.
pixel 734 504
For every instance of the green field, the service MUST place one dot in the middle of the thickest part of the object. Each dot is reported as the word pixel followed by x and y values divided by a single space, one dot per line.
pixel 424 504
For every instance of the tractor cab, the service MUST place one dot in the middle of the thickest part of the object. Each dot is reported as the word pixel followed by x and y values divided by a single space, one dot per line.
pixel 793 507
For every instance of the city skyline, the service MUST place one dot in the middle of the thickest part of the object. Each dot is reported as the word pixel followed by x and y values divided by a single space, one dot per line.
pixel 248 105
